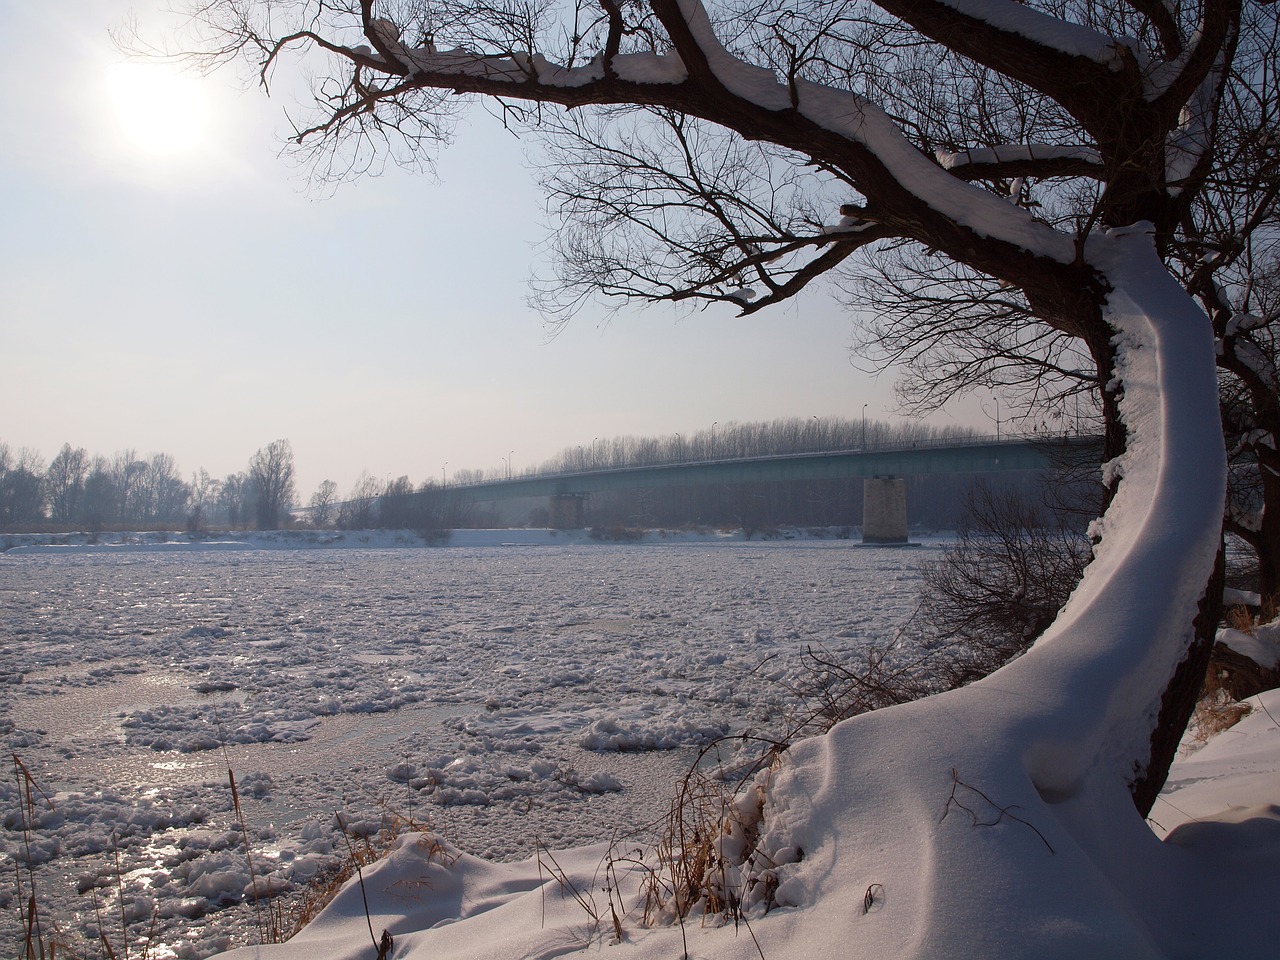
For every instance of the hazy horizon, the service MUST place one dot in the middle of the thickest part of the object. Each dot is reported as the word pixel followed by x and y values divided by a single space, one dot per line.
pixel 169 285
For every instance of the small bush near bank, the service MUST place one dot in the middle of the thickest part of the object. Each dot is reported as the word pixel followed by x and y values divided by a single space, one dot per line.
pixel 617 534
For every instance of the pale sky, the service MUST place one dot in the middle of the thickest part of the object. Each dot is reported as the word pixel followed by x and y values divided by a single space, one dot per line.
pixel 168 284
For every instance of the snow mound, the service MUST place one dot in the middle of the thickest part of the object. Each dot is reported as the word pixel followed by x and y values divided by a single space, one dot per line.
pixel 1261 645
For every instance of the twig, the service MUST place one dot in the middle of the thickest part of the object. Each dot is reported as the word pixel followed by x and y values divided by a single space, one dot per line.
pixel 124 924
pixel 248 852
pixel 342 827
pixel 1001 812
pixel 563 879
pixel 1266 711
pixel 102 930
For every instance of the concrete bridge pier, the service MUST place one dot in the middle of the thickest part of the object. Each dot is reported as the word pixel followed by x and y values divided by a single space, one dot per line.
pixel 567 510
pixel 884 510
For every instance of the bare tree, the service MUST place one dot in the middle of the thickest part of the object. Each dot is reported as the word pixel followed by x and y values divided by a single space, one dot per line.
pixel 100 504
pixel 204 490
pixel 65 479
pixel 234 497
pixel 271 473
pixel 161 493
pixel 22 488
pixel 360 510
pixel 127 472
pixel 322 503
pixel 1055 148
pixel 702 116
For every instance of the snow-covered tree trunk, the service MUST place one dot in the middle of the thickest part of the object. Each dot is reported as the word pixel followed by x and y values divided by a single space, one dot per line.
pixel 1030 765
pixel 949 806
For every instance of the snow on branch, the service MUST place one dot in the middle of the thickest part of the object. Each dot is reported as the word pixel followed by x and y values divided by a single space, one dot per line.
pixel 1019 21
pixel 434 67
pixel 864 124
pixel 1069 62
pixel 1022 160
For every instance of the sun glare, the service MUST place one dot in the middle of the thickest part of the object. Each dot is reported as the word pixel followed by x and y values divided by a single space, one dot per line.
pixel 158 110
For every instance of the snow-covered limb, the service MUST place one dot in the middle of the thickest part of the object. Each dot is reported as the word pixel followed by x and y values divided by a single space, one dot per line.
pixel 863 125
pixel 1250 520
pixel 870 146
pixel 1016 25
pixel 1190 145
pixel 1241 353
pixel 1022 159
pixel 1243 322
pixel 672 56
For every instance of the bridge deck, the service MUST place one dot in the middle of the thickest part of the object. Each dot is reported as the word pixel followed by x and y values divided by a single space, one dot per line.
pixel 984 455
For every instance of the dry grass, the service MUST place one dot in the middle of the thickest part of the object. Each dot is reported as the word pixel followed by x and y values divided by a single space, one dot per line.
pixel 701 862
pixel 704 861
pixel 1239 618
pixel 41 938
pixel 1216 709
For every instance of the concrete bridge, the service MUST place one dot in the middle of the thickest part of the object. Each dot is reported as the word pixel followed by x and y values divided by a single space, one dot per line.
pixel 883 470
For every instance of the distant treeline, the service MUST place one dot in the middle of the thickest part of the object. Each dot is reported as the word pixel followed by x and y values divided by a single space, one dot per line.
pixel 756 507
pixel 935 501
pixel 126 491
pixel 756 439
pixel 77 490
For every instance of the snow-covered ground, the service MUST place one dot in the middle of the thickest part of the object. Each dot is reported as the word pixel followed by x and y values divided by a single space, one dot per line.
pixel 436 901
pixel 508 696
pixel 533 707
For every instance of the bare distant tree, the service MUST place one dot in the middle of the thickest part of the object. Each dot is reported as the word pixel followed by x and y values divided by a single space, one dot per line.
pixel 271 472
pixel 162 493
pixel 204 493
pixel 65 478
pixel 127 471
pixel 322 503
pixel 233 499
pixel 360 510
pixel 22 489
pixel 100 504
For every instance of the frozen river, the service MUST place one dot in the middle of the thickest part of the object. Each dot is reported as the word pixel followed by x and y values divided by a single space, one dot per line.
pixel 507 696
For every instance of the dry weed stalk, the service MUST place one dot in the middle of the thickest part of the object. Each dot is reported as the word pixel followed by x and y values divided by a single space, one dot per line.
pixel 267 932
pixel 40 938
pixel 584 898
pixel 1217 709
pixel 706 859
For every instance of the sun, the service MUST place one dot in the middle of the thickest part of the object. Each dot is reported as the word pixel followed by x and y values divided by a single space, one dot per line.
pixel 158 110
